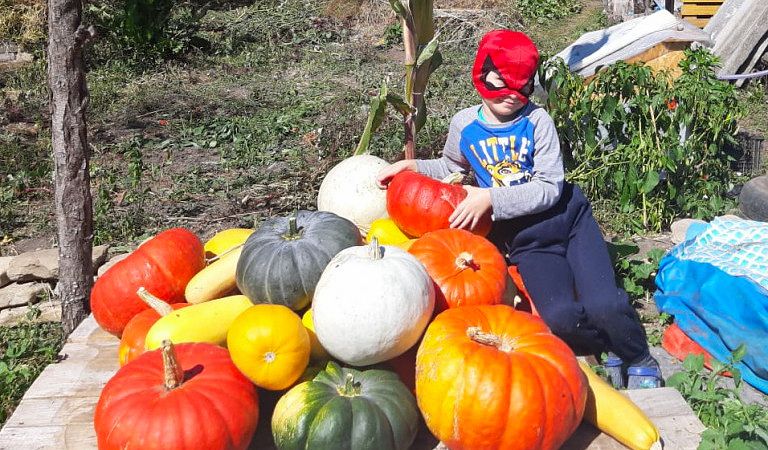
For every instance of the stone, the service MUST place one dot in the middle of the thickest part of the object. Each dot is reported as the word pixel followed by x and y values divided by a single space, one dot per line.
pixel 49 311
pixel 680 228
pixel 44 264
pixel 112 261
pixel 20 294
pixel 5 261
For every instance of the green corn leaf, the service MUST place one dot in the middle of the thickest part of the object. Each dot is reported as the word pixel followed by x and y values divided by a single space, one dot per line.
pixel 399 104
pixel 425 55
pixel 375 118
pixel 398 7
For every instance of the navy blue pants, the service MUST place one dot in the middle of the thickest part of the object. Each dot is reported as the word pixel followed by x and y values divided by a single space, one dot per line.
pixel 564 262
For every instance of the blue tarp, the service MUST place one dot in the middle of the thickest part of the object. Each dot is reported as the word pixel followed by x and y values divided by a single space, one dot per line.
pixel 717 310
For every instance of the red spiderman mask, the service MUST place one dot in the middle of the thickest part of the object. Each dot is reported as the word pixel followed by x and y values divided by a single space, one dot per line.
pixel 513 56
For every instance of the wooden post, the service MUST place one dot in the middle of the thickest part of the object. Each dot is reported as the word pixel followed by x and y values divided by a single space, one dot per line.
pixel 73 203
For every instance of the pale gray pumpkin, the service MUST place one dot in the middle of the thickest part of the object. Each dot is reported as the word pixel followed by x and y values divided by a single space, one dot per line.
pixel 281 262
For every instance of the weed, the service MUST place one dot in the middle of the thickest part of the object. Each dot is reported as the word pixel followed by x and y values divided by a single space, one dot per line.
pixel 25 350
pixel 548 10
pixel 730 422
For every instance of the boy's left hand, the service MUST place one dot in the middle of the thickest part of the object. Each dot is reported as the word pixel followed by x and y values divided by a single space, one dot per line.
pixel 469 211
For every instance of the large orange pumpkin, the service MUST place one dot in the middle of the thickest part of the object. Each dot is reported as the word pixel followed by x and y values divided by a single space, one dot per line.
pixel 164 265
pixel 467 269
pixel 183 397
pixel 419 204
pixel 491 377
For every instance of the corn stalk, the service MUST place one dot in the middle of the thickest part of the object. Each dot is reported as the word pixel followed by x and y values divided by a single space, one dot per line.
pixel 422 57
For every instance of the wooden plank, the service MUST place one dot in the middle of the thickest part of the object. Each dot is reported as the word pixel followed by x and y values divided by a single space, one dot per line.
pixel 89 332
pixel 699 10
pixel 74 437
pixel 701 23
pixel 697 2
pixel 58 412
pixel 85 371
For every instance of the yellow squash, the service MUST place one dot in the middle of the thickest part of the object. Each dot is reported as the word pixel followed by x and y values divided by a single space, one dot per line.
pixel 215 280
pixel 206 322
pixel 225 240
pixel 317 352
pixel 270 346
pixel 387 232
pixel 617 416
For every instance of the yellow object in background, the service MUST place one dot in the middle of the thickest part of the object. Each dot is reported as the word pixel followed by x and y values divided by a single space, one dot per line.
pixel 617 416
pixel 225 240
pixel 387 232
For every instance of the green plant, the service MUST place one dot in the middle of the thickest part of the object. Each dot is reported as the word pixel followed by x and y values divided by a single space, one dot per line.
pixel 650 147
pixel 25 350
pixel 548 10
pixel 635 275
pixel 422 57
pixel 731 423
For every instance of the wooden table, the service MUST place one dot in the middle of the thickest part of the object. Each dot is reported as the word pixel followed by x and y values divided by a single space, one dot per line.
pixel 57 410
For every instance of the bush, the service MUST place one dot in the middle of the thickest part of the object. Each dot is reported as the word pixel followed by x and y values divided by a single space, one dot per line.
pixel 650 148
pixel 22 22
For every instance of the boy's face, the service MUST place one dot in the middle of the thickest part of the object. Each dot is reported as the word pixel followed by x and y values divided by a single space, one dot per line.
pixel 506 105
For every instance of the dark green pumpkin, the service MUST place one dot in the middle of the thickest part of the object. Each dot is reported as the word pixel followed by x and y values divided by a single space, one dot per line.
pixel 346 409
pixel 281 262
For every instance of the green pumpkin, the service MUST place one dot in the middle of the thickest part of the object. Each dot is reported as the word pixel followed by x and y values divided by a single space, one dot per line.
pixel 346 409
pixel 281 262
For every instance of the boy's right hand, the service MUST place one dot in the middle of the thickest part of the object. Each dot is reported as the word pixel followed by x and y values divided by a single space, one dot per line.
pixel 386 174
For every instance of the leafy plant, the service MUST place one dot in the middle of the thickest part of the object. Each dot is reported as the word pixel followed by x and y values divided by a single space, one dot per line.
pixel 732 424
pixel 25 350
pixel 547 10
pixel 635 275
pixel 651 147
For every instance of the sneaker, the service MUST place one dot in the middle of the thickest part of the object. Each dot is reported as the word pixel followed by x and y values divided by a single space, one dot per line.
pixel 644 377
pixel 613 368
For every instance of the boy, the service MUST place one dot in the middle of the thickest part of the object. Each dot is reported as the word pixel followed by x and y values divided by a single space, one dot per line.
pixel 541 223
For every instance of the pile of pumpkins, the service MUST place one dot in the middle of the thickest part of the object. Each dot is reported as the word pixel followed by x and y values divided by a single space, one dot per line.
pixel 364 317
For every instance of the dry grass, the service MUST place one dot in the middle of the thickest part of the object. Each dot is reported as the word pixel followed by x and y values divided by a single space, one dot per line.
pixel 22 21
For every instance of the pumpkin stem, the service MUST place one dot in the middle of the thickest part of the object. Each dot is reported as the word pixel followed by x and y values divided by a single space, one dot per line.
pixel 465 261
pixel 453 178
pixel 155 303
pixel 481 337
pixel 377 251
pixel 174 375
pixel 293 230
pixel 350 388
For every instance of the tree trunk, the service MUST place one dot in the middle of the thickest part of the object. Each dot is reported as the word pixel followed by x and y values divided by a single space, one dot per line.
pixel 68 102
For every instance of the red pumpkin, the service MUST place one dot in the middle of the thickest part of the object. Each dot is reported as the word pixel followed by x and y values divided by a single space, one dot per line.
pixel 182 397
pixel 467 269
pixel 132 340
pixel 405 367
pixel 419 204
pixel 491 377
pixel 163 265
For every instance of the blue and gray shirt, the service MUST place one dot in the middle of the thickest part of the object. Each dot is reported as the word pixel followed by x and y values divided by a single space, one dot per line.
pixel 519 161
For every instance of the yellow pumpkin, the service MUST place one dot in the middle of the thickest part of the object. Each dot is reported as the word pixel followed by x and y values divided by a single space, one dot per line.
pixel 270 345
pixel 316 352
pixel 225 240
pixel 387 232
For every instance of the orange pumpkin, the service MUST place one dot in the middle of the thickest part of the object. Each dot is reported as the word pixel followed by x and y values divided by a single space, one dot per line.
pixel 491 377
pixel 134 333
pixel 467 269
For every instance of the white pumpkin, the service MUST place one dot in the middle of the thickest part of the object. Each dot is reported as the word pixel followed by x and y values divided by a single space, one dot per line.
pixel 349 190
pixel 371 306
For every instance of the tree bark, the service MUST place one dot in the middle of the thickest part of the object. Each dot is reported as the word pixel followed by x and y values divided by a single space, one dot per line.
pixel 73 203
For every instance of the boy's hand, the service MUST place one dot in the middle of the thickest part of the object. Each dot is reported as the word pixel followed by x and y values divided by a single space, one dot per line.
pixel 475 205
pixel 385 175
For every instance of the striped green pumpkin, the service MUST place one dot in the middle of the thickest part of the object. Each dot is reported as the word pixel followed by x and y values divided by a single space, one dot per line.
pixel 346 409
